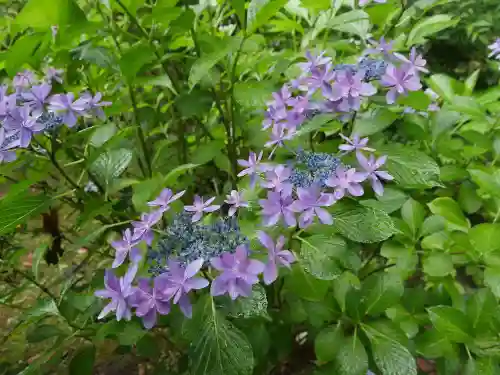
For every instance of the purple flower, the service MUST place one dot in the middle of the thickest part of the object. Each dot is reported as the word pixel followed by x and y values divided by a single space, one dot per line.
pixel 400 81
pixel 149 301
pixel 238 275
pixel 165 198
pixel 119 290
pixel 36 98
pixel 276 205
pixel 7 103
pixel 23 80
pixel 495 49
pixel 199 207
pixel 314 62
pixel 179 281
pixel 279 135
pixel 252 167
pixel 94 104
pixel 415 63
pixel 6 156
pixel 277 179
pixel 142 229
pixel 370 166
pixel 348 180
pixel 355 144
pixel 380 47
pixel 276 256
pixel 349 86
pixel 64 105
pixel 20 120
pixel 310 202
pixel 235 199
pixel 53 74
pixel 126 246
pixel 365 2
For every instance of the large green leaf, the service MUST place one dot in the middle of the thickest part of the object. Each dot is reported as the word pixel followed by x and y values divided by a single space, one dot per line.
pixel 253 94
pixel 110 165
pixel 43 332
pixel 381 291
pixel 319 255
pixel 203 64
pixel 20 208
pixel 22 52
pixel 219 347
pixel 255 305
pixel 362 224
pixel 413 213
pixel 42 14
pixel 82 362
pixel 390 201
pixel 451 212
pixel 134 59
pixel 429 26
pixel 354 22
pixel 438 264
pixel 260 11
pixel 482 307
pixel 373 121
pixel 434 344
pixel 306 286
pixel 451 322
pixel 410 167
pixel 485 238
pixel 391 357
pixel 349 357
pixel 326 343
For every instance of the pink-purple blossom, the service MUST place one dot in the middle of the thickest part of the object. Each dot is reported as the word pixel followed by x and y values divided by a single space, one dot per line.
pixel 348 180
pixel 355 143
pixel 238 273
pixel 276 256
pixel 253 167
pixel 400 81
pixel 199 207
pixel 143 229
pixel 36 97
pixel 310 203
pixel 235 200
pixel 380 47
pixel 20 120
pixel 277 205
pixel 414 63
pixel 53 74
pixel 495 49
pixel 67 107
pixel 349 87
pixel 165 198
pixel 278 179
pixel 149 301
pixel 93 104
pixel 126 246
pixel 179 280
pixel 371 166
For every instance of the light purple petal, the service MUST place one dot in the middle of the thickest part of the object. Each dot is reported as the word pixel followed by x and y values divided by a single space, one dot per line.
pixel 324 216
pixel 270 272
pixel 193 268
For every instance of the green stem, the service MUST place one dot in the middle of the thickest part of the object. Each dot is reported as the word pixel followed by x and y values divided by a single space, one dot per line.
pixel 147 170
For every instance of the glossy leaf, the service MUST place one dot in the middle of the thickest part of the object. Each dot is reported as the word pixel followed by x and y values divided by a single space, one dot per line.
pixel 321 256
pixel 451 212
pixel 451 322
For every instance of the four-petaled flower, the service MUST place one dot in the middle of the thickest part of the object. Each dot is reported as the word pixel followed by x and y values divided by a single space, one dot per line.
pixel 119 290
pixel 142 229
pixel 349 87
pixel 278 180
pixel 355 143
pixel 252 167
pixel 165 198
pixel 20 120
pixel 149 301
pixel 6 156
pixel 310 202
pixel 276 256
pixel 238 275
pixel 126 246
pixel 93 105
pixel 495 49
pixel 381 46
pixel 199 207
pixel 348 180
pixel 414 63
pixel 66 106
pixel 370 166
pixel 178 281
pixel 277 205
pixel 400 81
pixel 53 74
pixel 235 199
pixel 37 97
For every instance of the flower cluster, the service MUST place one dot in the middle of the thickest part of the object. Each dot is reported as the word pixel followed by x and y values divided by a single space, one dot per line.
pixel 495 49
pixel 31 109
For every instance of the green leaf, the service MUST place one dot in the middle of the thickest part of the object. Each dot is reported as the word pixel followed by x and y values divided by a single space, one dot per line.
pixel 202 65
pixel 319 255
pixel 131 334
pixel 239 9
pixel 82 362
pixel 134 59
pixel 323 122
pixel 487 182
pixel 390 201
pixel 468 198
pixel 429 26
pixel 20 208
pixel 208 151
pixel 42 14
pixel 326 343
pixel 362 224
pixel 470 82
pixel 253 94
pixel 43 332
pixel 481 310
pixel 390 356
pixel 102 134
pixel 37 258
pixel 219 347
pixel 260 11
pixel 434 344
pixel 148 347
pixel 305 285
pixel 433 224
pixel 410 168
pixel 439 265
pixel 418 100
pixel 22 52
pixel 177 172
pixel 413 213
pixel 110 165
pixel 443 86
pixel 373 121
pixel 255 305
pixel 131 5
pixel 350 357
pixel 451 322
pixel 355 22
pixel 451 212
pixel 485 238
pixel 492 280
pixel 381 291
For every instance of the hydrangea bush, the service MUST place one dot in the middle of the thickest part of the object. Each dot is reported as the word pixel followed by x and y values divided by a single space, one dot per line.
pixel 245 188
